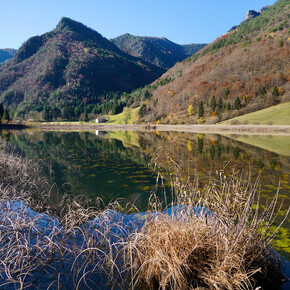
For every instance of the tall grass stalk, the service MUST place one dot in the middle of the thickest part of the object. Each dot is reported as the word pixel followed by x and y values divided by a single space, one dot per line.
pixel 214 237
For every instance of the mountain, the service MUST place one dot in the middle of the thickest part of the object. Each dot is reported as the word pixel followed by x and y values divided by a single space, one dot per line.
pixel 245 70
pixel 72 64
pixel 6 54
pixel 159 51
pixel 251 14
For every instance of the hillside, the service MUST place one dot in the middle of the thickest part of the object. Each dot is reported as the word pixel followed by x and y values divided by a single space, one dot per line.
pixel 72 64
pixel 6 54
pixel 241 72
pixel 159 51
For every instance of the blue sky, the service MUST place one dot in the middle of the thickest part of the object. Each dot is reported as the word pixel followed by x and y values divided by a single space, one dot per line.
pixel 182 21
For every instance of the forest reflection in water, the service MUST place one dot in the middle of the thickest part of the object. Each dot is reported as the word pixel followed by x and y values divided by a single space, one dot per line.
pixel 114 165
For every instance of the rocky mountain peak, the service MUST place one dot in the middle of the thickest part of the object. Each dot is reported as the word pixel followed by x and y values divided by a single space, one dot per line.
pixel 263 9
pixel 250 15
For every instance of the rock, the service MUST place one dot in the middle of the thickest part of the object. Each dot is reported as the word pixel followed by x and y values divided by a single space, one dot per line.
pixel 250 15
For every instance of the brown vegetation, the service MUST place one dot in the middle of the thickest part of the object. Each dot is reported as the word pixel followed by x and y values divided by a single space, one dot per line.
pixel 243 68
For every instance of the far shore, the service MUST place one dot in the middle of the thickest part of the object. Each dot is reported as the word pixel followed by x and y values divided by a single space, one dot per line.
pixel 218 129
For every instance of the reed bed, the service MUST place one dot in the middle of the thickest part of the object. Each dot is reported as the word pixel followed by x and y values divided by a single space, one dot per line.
pixel 210 238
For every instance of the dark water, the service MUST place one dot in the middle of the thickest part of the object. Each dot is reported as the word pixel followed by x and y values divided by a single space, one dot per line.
pixel 114 165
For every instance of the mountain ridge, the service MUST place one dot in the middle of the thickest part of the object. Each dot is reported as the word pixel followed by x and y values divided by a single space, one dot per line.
pixel 6 54
pixel 159 51
pixel 72 64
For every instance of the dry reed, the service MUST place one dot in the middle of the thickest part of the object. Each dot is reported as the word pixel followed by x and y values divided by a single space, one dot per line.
pixel 211 238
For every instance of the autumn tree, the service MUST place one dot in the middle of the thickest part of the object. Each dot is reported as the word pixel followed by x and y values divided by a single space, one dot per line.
pixel 190 110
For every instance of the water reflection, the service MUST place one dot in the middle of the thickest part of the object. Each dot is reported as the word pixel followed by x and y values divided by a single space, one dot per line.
pixel 114 165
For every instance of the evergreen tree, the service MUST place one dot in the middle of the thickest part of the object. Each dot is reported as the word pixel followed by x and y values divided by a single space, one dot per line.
pixel 1 111
pixel 213 103
pixel 228 106
pixel 67 113
pixel 275 92
pixel 275 95
pixel 227 93
pixel 55 113
pixel 86 117
pixel 46 114
pixel 200 109
pixel 263 92
pixel 220 104
pixel 237 104
pixel 6 115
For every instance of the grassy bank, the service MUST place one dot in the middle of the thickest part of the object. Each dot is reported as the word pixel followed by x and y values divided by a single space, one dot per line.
pixel 215 237
pixel 276 115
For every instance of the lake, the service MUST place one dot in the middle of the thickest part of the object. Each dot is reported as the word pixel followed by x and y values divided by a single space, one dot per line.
pixel 124 165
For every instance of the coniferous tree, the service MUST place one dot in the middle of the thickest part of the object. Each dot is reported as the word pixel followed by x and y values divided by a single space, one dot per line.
pixel 213 103
pixel 237 104
pixel 6 115
pixel 86 117
pixel 227 93
pixel 200 109
pixel 263 92
pixel 55 113
pixel 46 114
pixel 1 111
pixel 220 104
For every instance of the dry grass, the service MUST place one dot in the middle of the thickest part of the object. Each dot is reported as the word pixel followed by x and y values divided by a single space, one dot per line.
pixel 194 248
pixel 210 238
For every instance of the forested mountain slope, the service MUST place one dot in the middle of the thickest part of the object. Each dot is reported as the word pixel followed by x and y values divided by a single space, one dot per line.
pixel 242 71
pixel 72 64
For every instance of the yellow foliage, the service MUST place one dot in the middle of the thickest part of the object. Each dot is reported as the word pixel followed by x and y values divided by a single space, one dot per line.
pixel 189 146
pixel 280 91
pixel 86 49
pixel 201 120
pixel 158 122
pixel 190 110
pixel 145 102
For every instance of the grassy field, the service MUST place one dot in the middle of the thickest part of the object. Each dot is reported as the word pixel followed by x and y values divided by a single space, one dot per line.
pixel 128 116
pixel 276 115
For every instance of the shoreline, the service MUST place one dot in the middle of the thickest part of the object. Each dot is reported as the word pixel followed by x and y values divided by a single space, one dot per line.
pixel 217 129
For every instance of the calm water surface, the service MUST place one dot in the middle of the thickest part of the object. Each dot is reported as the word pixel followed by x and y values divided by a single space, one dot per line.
pixel 114 165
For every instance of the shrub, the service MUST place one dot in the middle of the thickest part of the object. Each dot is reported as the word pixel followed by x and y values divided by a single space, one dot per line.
pixel 201 120
pixel 190 110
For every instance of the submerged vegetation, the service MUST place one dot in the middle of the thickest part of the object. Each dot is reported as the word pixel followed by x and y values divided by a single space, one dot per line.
pixel 214 237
